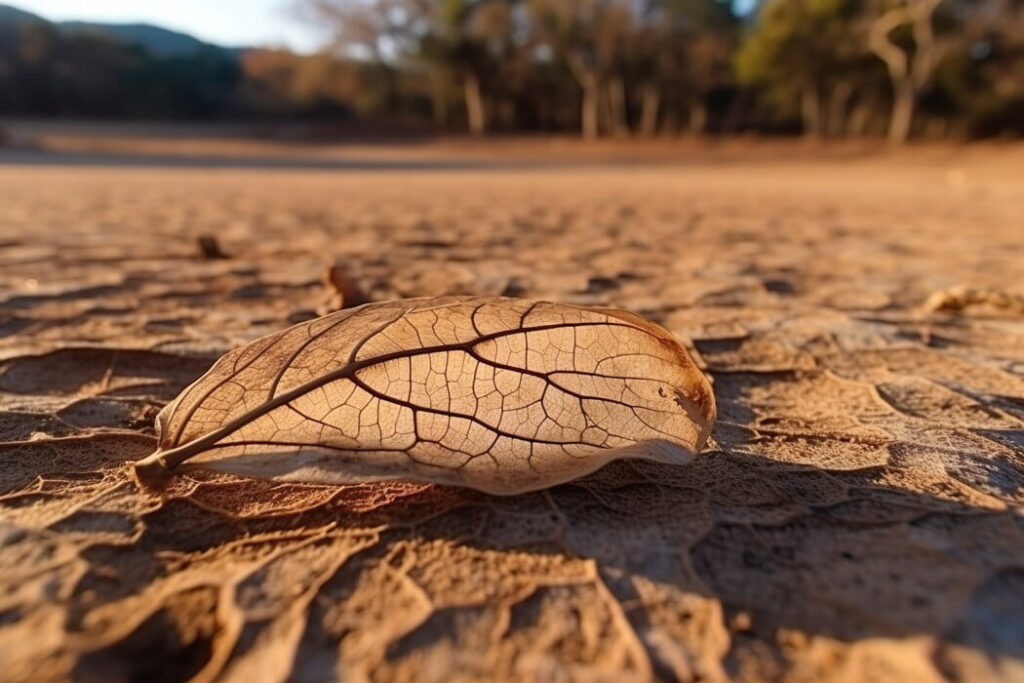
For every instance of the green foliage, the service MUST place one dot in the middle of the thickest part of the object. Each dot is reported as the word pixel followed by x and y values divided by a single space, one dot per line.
pixel 799 44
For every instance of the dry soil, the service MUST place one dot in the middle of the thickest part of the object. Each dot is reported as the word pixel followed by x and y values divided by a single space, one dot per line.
pixel 858 517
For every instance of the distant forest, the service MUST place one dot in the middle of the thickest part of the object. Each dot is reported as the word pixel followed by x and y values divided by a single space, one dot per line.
pixel 824 68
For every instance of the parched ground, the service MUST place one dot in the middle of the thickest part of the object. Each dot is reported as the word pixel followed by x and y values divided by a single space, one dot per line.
pixel 858 518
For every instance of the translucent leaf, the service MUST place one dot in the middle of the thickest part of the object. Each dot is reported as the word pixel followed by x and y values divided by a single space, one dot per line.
pixel 501 395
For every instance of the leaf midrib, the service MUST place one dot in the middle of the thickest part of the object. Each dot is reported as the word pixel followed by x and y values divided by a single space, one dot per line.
pixel 175 456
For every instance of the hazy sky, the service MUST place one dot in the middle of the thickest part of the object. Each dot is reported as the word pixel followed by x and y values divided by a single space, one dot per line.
pixel 226 22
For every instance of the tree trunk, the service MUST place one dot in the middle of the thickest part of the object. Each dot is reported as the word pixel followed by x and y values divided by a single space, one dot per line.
pixel 590 102
pixel 650 103
pixel 910 72
pixel 698 122
pixel 474 105
pixel 617 107
pixel 904 99
pixel 590 107
pixel 810 112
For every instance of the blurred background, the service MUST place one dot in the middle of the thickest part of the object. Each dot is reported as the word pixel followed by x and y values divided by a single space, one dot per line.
pixel 891 70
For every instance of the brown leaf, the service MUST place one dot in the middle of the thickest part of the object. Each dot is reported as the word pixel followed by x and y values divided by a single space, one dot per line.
pixel 502 395
pixel 345 291
pixel 961 297
pixel 209 247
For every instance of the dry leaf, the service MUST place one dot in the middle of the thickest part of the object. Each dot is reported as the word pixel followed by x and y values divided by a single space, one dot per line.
pixel 209 247
pixel 502 395
pixel 961 297
pixel 344 290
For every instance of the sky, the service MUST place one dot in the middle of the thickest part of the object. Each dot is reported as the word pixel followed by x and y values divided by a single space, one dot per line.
pixel 225 22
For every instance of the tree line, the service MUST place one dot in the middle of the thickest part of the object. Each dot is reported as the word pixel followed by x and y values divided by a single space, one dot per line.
pixel 617 68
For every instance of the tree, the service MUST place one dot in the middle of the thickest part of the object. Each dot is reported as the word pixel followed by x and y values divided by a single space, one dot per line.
pixel 689 46
pixel 377 30
pixel 804 54
pixel 453 39
pixel 467 37
pixel 910 67
pixel 980 80
pixel 283 83
pixel 589 36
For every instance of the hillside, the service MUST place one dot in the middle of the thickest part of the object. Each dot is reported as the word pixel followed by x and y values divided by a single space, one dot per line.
pixel 158 41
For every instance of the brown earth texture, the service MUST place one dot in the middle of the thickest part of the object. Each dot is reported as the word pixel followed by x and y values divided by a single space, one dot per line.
pixel 857 516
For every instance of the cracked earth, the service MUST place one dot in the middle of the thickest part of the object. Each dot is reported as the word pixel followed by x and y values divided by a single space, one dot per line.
pixel 856 517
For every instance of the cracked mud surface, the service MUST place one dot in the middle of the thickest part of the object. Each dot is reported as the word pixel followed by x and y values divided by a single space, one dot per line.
pixel 859 516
